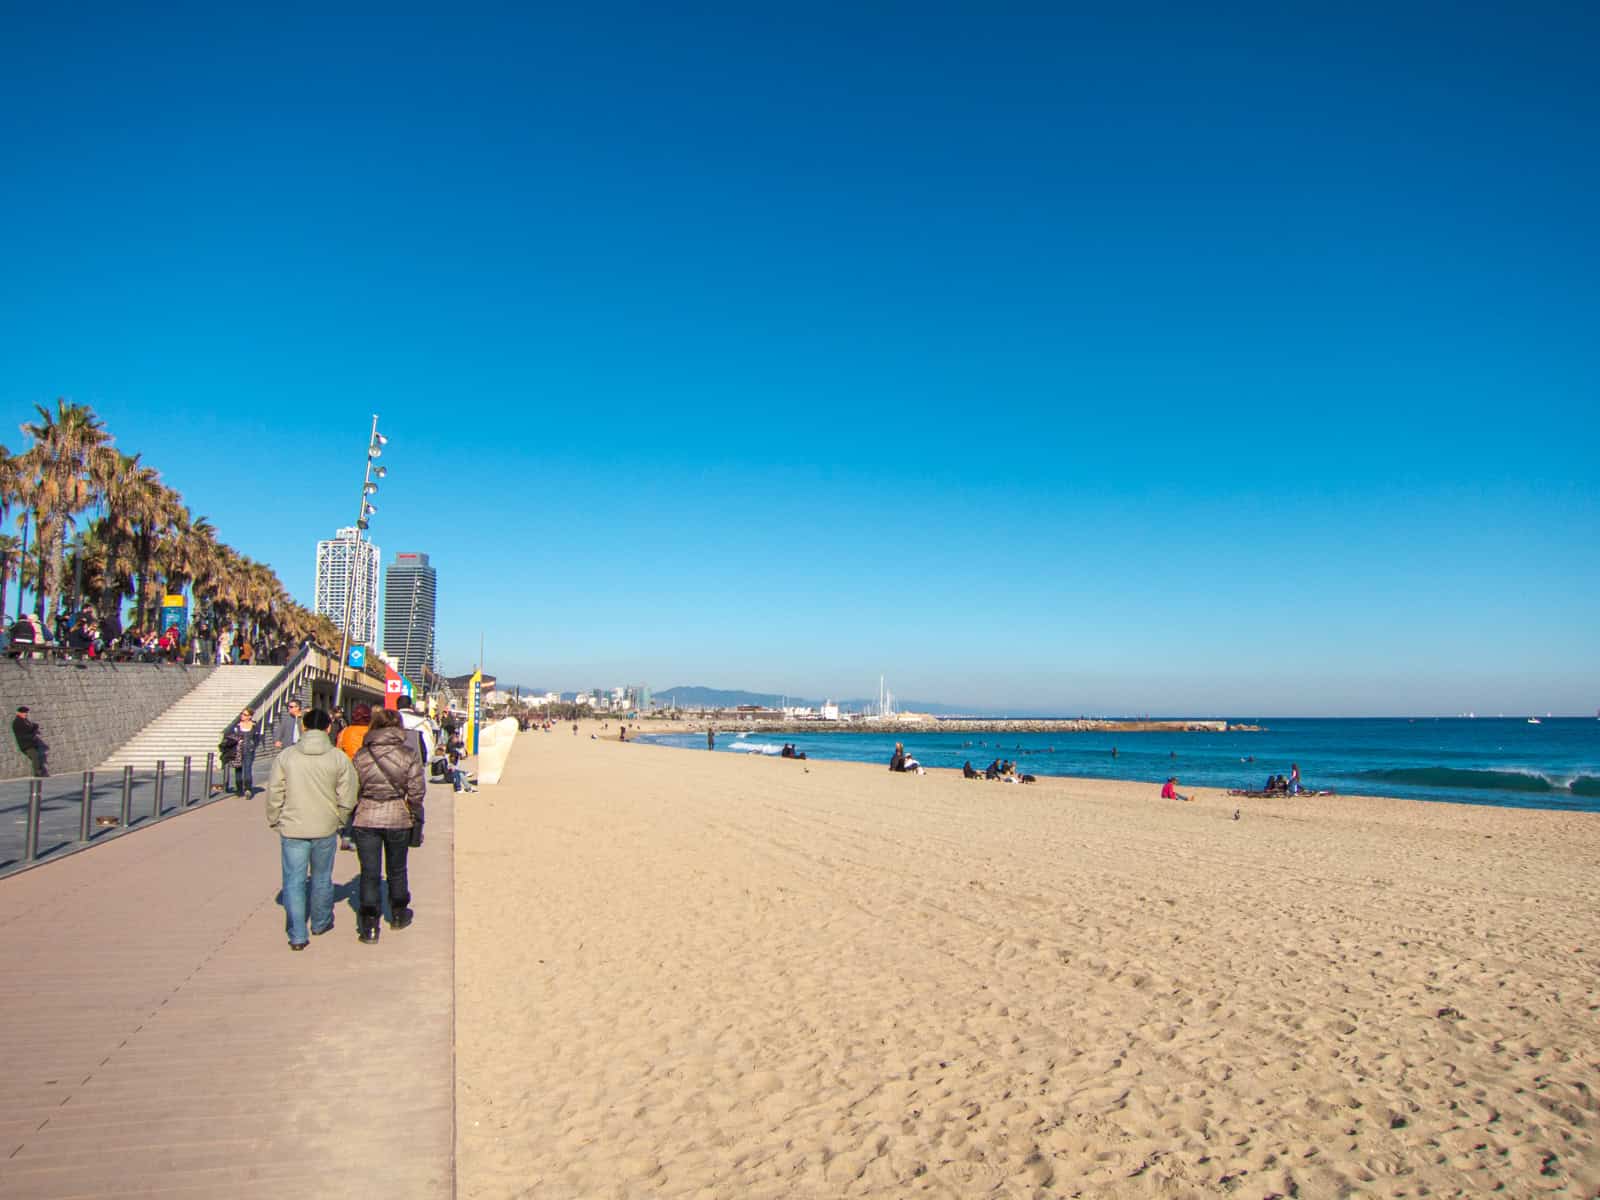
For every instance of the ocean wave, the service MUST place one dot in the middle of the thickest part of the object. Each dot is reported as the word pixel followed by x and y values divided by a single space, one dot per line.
pixel 1508 780
pixel 756 747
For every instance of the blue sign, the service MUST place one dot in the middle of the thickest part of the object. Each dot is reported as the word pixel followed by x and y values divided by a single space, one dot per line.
pixel 358 656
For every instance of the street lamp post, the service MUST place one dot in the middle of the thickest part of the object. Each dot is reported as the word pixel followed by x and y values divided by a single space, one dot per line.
pixel 368 487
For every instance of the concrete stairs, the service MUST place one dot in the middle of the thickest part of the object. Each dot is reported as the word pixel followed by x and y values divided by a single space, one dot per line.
pixel 194 725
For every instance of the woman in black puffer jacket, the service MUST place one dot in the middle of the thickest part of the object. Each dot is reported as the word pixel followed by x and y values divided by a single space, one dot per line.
pixel 392 789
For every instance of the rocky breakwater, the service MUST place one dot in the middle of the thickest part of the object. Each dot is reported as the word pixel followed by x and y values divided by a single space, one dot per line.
pixel 1079 725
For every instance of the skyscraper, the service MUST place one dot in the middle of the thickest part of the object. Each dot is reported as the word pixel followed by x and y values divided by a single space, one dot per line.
pixel 336 559
pixel 409 588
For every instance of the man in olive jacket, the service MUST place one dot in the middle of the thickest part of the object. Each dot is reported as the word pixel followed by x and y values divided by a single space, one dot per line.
pixel 312 794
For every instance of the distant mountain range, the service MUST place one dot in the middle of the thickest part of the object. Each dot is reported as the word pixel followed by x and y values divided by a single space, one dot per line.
pixel 705 697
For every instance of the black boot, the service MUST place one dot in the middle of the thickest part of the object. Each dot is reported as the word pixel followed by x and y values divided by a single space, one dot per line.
pixel 368 923
pixel 400 918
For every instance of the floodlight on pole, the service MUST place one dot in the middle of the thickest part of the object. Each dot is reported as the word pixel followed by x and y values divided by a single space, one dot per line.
pixel 375 446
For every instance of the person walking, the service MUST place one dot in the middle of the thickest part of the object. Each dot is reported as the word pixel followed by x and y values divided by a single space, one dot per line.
pixel 353 734
pixel 26 732
pixel 312 793
pixel 418 726
pixel 349 740
pixel 288 728
pixel 245 735
pixel 393 787
pixel 225 647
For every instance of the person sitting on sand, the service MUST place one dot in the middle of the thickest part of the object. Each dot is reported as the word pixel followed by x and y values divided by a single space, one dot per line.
pixel 1170 791
pixel 967 771
pixel 901 761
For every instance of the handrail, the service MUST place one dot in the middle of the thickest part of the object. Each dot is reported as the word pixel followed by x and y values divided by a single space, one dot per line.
pixel 311 662
pixel 272 696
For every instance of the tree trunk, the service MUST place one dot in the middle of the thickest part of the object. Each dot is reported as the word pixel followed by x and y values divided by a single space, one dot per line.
pixel 143 584
pixel 39 585
pixel 110 606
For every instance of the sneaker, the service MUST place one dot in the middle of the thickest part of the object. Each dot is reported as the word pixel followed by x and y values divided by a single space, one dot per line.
pixel 298 945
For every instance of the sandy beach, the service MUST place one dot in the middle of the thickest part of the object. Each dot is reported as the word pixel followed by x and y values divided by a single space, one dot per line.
pixel 692 974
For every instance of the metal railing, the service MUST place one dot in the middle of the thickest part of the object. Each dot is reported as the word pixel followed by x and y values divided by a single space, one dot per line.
pixel 311 665
pixel 62 814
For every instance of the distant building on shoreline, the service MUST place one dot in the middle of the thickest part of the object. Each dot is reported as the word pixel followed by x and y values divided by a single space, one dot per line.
pixel 337 558
pixel 410 589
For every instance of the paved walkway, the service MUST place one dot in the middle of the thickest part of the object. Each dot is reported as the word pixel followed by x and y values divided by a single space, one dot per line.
pixel 61 808
pixel 157 1037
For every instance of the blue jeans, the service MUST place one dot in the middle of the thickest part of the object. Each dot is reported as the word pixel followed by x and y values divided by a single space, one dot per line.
pixel 299 855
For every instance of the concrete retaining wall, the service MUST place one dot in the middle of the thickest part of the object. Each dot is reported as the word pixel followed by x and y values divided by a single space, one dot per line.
pixel 86 710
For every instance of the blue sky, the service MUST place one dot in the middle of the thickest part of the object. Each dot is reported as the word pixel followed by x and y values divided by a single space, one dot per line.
pixel 1163 361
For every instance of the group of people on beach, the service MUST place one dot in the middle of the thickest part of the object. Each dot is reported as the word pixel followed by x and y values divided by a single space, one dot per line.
pixel 901 761
pixel 1005 770
pixel 1278 785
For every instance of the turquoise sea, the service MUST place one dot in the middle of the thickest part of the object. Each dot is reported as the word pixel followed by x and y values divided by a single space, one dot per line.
pixel 1506 761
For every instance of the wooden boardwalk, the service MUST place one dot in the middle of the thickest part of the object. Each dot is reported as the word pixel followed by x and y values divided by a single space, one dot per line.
pixel 157 1036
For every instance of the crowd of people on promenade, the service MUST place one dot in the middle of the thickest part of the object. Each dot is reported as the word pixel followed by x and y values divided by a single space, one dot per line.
pixel 81 634
pixel 364 785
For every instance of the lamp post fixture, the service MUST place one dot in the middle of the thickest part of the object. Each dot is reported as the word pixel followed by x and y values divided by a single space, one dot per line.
pixel 368 487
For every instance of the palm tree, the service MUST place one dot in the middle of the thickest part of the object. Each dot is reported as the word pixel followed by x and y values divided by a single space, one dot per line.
pixel 10 471
pixel 119 477
pixel 154 509
pixel 144 537
pixel 10 561
pixel 60 483
pixel 10 493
